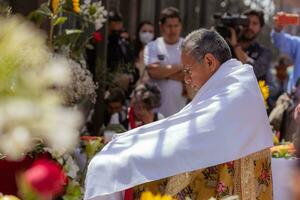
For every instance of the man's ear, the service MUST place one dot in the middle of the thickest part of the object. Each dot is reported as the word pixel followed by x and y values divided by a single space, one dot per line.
pixel 211 62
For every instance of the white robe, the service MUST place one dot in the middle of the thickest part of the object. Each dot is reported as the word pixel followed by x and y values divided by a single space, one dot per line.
pixel 225 121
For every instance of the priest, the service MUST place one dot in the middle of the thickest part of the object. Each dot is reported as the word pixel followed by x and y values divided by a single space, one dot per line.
pixel 216 146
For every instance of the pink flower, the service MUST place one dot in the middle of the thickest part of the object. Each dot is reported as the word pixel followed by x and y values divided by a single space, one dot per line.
pixel 97 36
pixel 46 177
pixel 264 175
pixel 220 187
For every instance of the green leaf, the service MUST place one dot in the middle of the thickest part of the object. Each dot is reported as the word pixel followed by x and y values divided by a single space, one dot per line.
pixel 44 10
pixel 73 31
pixel 60 20
pixel 89 46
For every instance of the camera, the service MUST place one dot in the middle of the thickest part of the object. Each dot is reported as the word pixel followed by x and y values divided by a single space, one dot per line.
pixel 226 20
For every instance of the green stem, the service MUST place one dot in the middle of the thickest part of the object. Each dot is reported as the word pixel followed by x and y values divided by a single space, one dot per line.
pixel 51 31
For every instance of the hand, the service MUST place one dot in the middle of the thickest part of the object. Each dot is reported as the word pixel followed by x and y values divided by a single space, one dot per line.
pixel 233 39
pixel 297 114
pixel 277 26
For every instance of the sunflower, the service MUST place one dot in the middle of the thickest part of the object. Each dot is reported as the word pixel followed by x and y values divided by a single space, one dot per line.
pixel 149 196
pixel 264 90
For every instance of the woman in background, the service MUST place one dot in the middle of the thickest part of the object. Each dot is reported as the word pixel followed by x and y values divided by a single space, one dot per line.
pixel 144 35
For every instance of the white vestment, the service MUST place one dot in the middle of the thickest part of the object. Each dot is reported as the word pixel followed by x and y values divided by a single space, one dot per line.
pixel 225 121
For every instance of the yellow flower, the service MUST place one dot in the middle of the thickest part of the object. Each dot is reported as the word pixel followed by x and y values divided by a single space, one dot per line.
pixel 54 5
pixel 149 196
pixel 76 6
pixel 264 90
pixel 9 197
pixel 275 140
pixel 76 9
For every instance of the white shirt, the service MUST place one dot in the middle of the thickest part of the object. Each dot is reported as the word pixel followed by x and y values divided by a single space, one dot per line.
pixel 171 91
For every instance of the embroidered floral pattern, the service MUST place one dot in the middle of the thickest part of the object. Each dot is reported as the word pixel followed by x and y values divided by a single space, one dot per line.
pixel 218 182
pixel 230 167
pixel 222 190
pixel 265 174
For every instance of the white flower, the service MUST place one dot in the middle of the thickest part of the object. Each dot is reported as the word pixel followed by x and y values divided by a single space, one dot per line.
pixel 87 1
pixel 94 13
pixel 81 87
pixel 15 142
pixel 57 72
pixel 71 167
pixel 30 109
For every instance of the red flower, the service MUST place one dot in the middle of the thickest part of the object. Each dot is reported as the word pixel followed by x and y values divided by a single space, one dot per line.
pixel 89 138
pixel 46 177
pixel 97 36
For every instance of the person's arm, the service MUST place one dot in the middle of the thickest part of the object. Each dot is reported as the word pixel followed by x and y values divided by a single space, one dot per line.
pixel 158 71
pixel 238 50
pixel 154 68
pixel 262 64
pixel 285 42
pixel 178 76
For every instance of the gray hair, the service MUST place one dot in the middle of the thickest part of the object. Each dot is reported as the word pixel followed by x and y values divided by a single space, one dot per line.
pixel 203 41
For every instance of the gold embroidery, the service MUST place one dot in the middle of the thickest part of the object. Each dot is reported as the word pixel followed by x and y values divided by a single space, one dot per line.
pixel 247 174
pixel 179 182
pixel 237 180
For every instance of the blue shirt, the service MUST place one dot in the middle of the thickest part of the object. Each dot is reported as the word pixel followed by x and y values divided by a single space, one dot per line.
pixel 289 45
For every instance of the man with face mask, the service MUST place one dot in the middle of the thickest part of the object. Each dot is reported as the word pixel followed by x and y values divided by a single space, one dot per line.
pixel 163 63
pixel 247 49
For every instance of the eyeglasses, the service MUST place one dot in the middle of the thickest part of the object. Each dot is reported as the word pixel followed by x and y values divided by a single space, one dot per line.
pixel 187 68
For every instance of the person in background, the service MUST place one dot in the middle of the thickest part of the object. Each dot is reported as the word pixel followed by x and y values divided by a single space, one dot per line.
pixel 282 116
pixel 120 55
pixel 282 76
pixel 119 48
pixel 163 62
pixel 144 35
pixel 247 49
pixel 289 45
pixel 145 98
pixel 114 103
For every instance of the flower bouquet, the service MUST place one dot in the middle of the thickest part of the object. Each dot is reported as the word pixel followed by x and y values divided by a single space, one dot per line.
pixel 285 150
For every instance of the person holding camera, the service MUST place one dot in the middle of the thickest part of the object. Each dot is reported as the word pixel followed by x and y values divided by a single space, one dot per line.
pixel 247 49
pixel 289 45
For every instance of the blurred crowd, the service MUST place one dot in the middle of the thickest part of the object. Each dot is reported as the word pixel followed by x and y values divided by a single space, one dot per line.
pixel 148 82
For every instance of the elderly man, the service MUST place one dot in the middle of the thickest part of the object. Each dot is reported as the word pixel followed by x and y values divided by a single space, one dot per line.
pixel 215 146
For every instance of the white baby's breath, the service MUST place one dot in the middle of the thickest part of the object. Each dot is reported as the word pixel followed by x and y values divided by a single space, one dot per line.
pixel 30 105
